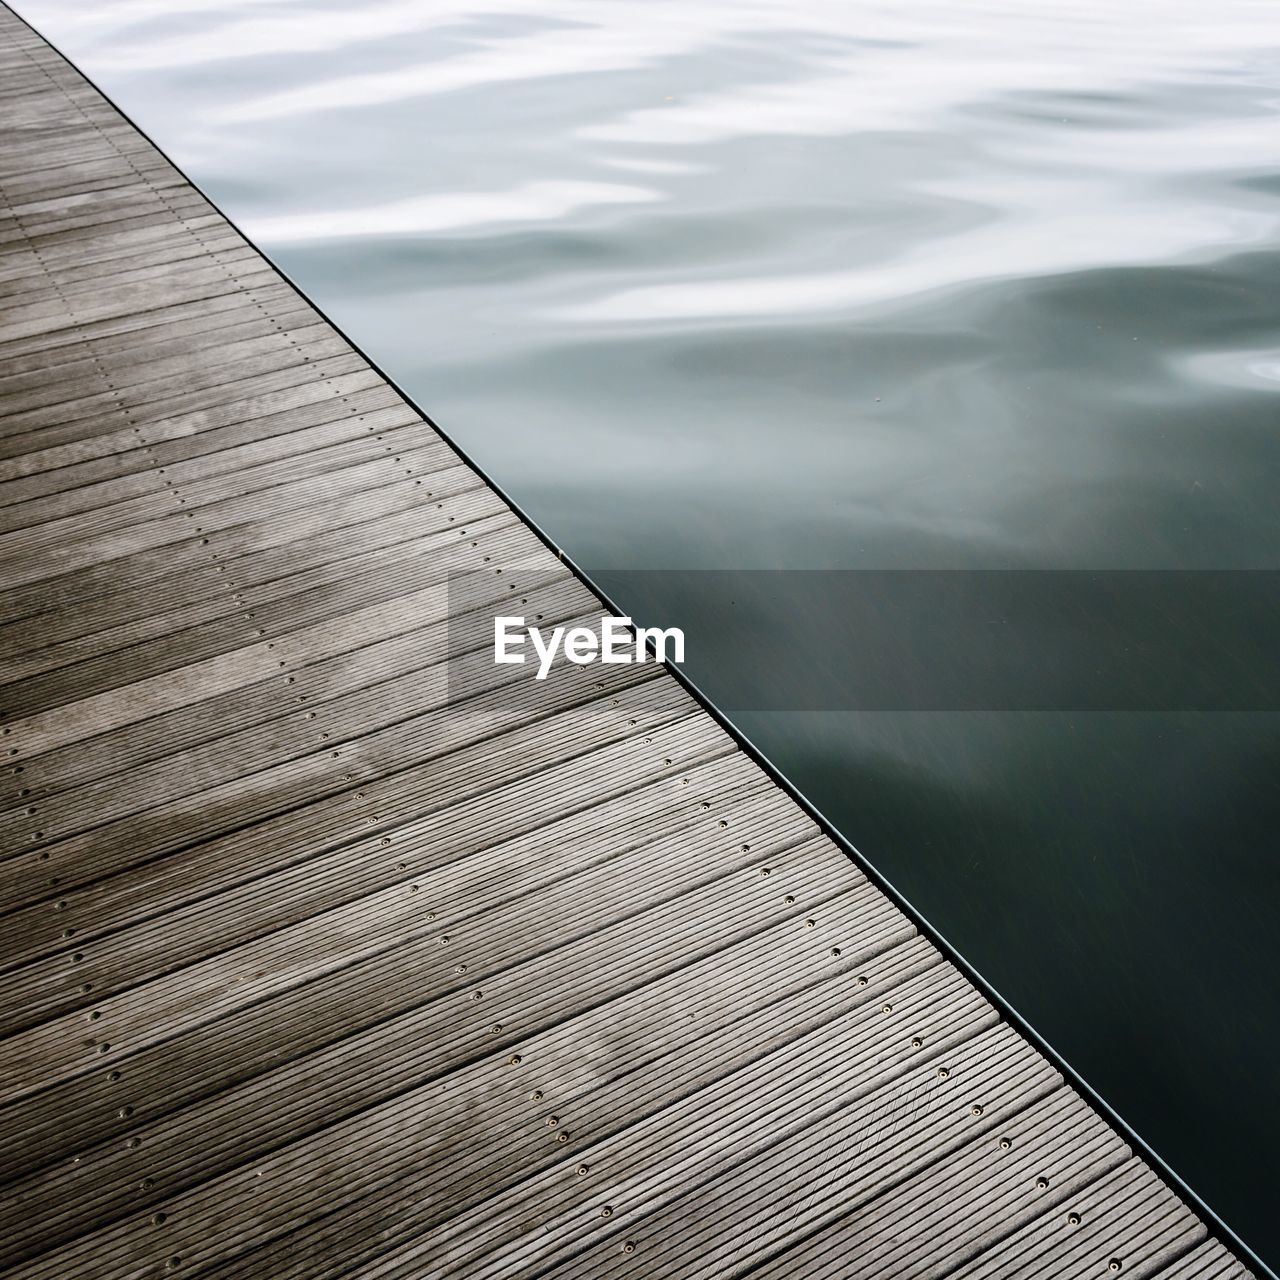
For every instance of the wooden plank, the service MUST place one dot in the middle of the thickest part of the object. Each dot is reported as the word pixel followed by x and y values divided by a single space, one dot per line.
pixel 965 1205
pixel 237 540
pixel 199 431
pixel 108 413
pixel 1208 1261
pixel 666 803
pixel 331 948
pixel 104 622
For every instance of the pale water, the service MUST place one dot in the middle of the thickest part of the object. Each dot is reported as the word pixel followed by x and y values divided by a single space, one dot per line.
pixel 840 285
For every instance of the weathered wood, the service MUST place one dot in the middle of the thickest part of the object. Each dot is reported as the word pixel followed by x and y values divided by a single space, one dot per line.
pixel 328 946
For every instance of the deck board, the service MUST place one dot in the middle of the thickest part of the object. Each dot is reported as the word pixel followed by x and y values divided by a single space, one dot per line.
pixel 330 948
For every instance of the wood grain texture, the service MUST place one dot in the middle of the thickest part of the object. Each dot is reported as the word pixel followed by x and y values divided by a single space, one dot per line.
pixel 330 948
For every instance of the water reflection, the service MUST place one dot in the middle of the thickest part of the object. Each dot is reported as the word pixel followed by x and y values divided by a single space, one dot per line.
pixel 530 202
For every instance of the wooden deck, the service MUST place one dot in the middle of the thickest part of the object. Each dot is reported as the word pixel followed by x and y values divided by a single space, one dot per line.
pixel 331 948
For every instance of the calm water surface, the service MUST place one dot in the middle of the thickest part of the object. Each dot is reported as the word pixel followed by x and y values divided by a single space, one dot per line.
pixel 830 284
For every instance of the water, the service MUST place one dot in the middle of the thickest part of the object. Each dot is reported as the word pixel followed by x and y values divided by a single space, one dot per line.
pixel 845 285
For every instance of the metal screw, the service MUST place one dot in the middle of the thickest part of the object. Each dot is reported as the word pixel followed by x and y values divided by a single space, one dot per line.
pixel 1042 1183
pixel 976 1110
pixel 1073 1219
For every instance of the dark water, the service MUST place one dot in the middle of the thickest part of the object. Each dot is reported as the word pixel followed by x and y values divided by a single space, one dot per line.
pixel 835 285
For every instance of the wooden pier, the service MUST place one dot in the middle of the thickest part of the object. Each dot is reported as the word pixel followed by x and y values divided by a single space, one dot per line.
pixel 331 948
